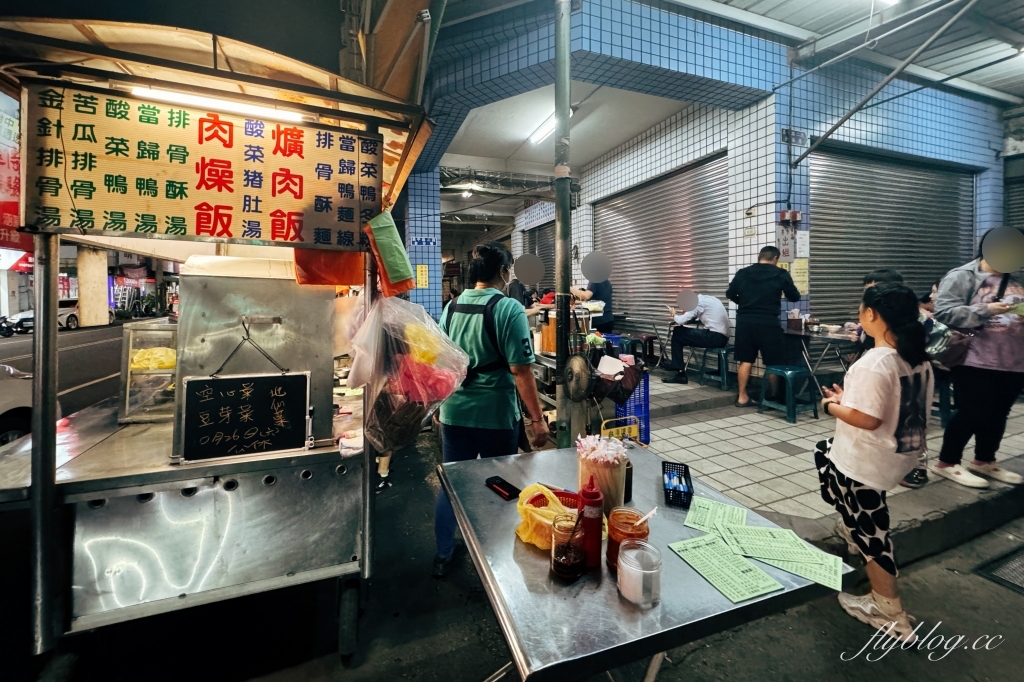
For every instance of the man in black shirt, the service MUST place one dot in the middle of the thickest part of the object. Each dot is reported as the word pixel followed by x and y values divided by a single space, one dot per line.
pixel 757 290
pixel 598 291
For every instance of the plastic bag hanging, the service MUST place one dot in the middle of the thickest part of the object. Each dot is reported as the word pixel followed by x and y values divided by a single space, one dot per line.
pixel 409 367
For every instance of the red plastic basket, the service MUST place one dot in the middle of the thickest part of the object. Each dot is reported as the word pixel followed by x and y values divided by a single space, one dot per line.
pixel 570 500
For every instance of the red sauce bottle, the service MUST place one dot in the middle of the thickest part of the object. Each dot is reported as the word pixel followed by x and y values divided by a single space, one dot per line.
pixel 591 506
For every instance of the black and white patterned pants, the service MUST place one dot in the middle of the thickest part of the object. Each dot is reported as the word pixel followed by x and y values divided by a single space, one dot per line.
pixel 863 509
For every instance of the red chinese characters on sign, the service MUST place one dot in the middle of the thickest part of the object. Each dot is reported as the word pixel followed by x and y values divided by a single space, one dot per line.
pixel 215 174
pixel 286 226
pixel 212 127
pixel 213 220
pixel 283 180
pixel 288 141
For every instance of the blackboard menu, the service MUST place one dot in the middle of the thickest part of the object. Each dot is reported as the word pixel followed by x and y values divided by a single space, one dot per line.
pixel 244 414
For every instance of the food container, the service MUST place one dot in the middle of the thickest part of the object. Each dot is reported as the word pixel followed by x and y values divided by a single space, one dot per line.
pixel 609 477
pixel 568 559
pixel 639 574
pixel 621 528
pixel 677 484
pixel 814 328
pixel 832 328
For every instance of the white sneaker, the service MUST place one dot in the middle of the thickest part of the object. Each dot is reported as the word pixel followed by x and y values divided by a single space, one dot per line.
pixel 866 610
pixel 993 470
pixel 844 532
pixel 960 475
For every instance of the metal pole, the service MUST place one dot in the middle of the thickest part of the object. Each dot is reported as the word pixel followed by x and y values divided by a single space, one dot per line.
pixel 878 88
pixel 563 217
pixel 44 442
pixel 858 48
pixel 369 454
pixel 945 80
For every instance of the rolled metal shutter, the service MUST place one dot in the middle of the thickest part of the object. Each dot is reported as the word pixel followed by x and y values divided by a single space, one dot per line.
pixel 663 237
pixel 868 212
pixel 1013 203
pixel 540 241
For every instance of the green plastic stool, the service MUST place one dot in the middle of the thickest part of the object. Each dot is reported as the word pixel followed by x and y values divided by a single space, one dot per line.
pixel 723 366
pixel 793 406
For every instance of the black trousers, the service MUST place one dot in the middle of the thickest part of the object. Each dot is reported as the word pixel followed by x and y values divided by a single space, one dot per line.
pixel 698 338
pixel 983 401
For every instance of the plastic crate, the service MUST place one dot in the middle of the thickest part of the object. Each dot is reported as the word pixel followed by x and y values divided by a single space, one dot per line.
pixel 677 498
pixel 639 406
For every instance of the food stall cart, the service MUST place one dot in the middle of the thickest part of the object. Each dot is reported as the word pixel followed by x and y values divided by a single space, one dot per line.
pixel 138 510
pixel 606 631
pixel 213 501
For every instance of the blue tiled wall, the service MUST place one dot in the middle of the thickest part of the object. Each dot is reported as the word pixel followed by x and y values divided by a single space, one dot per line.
pixel 727 76
pixel 423 235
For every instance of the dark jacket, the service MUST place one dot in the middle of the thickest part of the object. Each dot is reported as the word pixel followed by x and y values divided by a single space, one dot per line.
pixel 757 290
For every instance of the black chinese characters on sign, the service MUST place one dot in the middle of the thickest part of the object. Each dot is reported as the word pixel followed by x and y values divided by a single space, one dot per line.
pixel 244 414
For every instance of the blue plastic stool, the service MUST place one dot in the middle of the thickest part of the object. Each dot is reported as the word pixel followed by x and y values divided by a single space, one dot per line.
pixel 792 374
pixel 723 366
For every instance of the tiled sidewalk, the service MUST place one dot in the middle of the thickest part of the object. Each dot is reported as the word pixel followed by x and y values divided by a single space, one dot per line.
pixel 767 464
pixel 670 399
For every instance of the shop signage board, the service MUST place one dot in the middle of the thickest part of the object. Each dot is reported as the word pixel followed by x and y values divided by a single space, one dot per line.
pixel 105 162
pixel 10 178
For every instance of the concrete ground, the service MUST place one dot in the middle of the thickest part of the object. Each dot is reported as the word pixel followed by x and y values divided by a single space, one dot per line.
pixel 446 631
pixel 417 628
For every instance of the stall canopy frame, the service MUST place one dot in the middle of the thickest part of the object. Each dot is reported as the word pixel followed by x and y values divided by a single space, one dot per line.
pixel 205 64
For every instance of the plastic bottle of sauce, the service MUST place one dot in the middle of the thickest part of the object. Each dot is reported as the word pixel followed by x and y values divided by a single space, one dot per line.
pixel 592 502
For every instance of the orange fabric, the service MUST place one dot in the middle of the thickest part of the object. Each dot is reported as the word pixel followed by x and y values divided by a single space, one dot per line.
pixel 320 266
pixel 388 288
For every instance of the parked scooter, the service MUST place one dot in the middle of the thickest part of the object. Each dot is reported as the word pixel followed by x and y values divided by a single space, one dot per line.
pixel 5 328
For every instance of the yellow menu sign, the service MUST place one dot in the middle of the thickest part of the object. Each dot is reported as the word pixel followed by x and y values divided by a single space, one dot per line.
pixel 422 277
pixel 99 161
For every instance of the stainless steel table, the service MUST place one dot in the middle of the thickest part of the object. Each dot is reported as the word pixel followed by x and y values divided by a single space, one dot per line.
pixel 565 632
pixel 832 341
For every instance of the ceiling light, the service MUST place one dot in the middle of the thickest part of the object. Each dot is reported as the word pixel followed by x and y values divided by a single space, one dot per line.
pixel 467 194
pixel 546 128
pixel 890 3
pixel 219 104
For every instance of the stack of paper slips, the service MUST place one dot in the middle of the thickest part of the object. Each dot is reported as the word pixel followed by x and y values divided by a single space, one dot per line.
pixel 719 555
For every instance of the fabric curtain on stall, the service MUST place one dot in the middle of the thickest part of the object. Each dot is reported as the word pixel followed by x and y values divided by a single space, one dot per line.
pixel 868 212
pixel 540 241
pixel 665 236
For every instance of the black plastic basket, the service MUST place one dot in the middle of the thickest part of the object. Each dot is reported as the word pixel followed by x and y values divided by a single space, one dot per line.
pixel 677 498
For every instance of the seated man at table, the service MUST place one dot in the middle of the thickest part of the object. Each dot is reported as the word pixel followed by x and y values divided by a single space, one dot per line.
pixel 710 312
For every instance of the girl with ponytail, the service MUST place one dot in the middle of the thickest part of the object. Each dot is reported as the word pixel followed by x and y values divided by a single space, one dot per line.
pixel 881 420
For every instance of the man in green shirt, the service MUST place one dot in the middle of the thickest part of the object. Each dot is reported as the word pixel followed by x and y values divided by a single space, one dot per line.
pixel 482 417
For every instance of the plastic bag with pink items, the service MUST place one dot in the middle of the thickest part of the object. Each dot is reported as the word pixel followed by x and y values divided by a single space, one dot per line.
pixel 409 367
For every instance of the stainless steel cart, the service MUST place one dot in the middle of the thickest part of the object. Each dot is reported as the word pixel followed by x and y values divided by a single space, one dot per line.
pixel 149 530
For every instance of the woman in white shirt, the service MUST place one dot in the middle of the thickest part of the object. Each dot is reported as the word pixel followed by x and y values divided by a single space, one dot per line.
pixel 881 422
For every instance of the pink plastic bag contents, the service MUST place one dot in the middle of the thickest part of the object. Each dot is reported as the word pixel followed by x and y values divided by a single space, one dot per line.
pixel 409 367
pixel 424 383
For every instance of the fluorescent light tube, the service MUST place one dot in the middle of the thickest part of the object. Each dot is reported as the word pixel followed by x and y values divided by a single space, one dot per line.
pixel 219 104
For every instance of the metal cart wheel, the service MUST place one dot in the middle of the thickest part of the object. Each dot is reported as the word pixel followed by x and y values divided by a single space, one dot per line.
pixel 348 622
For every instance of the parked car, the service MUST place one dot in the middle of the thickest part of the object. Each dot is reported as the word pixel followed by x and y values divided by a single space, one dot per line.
pixel 15 404
pixel 67 317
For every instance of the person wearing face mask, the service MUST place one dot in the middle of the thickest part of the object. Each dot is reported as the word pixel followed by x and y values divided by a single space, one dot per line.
pixel 483 416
